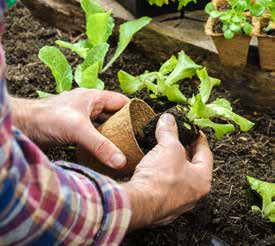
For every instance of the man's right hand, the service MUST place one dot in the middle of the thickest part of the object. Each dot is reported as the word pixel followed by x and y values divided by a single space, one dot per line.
pixel 167 182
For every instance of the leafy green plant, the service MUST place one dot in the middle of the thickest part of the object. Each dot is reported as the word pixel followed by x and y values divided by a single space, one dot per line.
pixel 182 3
pixel 267 192
pixel 260 7
pixel 165 83
pixel 93 50
pixel 233 19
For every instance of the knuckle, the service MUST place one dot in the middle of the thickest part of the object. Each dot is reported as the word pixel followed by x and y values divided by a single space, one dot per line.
pixel 100 146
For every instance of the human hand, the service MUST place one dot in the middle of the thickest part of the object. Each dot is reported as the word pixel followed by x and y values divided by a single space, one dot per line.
pixel 166 182
pixel 66 118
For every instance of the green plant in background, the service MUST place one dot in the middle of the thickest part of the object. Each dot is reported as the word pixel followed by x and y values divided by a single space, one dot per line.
pixel 93 50
pixel 260 7
pixel 10 2
pixel 233 19
pixel 165 82
pixel 182 3
pixel 267 192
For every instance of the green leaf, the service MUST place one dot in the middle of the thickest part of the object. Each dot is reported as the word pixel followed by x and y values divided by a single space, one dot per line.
pixel 81 48
pixel 99 27
pixel 228 34
pixel 220 129
pixel 236 19
pixel 215 14
pixel 198 109
pixel 78 74
pixel 148 80
pixel 220 107
pixel 89 78
pixel 152 87
pixel 59 67
pixel 96 54
pixel 247 28
pixel 186 68
pixel 174 94
pixel 209 8
pixel 159 3
pixel 267 191
pixel 241 6
pixel 207 84
pixel 225 17
pixel 257 9
pixel 91 7
pixel 126 33
pixel 128 83
pixel 234 27
pixel 168 66
pixel 42 94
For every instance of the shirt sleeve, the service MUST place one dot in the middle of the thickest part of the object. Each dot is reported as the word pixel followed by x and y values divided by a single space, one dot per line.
pixel 53 203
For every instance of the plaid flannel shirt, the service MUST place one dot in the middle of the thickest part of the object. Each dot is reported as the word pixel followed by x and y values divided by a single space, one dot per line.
pixel 44 203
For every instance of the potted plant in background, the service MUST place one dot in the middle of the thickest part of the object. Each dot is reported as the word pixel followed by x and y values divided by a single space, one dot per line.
pixel 231 26
pixel 265 10
pixel 158 7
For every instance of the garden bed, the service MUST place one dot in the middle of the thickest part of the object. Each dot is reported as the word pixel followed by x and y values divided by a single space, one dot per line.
pixel 225 212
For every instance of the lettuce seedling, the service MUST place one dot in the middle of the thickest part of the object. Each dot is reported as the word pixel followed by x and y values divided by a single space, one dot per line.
pixel 93 50
pixel 267 192
pixel 165 83
pixel 182 3
pixel 233 19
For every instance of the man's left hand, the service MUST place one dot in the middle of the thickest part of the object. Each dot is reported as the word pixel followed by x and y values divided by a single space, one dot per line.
pixel 66 118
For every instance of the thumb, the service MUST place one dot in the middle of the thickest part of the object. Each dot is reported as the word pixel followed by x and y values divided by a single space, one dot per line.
pixel 101 147
pixel 167 130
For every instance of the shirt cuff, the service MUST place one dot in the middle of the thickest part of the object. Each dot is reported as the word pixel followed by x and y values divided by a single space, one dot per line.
pixel 115 202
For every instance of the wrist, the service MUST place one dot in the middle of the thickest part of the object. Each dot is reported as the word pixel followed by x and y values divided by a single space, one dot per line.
pixel 143 203
pixel 26 114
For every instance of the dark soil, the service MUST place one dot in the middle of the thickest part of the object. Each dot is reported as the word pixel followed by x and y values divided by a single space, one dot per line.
pixel 217 28
pixel 188 133
pixel 226 211
pixel 264 25
pixel 224 7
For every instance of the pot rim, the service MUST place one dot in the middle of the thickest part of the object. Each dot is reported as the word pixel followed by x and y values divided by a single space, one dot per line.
pixel 131 118
pixel 266 16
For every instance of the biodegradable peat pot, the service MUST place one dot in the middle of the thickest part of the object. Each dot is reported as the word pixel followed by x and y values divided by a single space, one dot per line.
pixel 266 46
pixel 142 7
pixel 232 53
pixel 122 129
pixel 220 4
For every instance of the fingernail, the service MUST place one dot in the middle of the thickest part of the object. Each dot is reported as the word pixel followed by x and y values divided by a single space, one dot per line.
pixel 167 119
pixel 118 160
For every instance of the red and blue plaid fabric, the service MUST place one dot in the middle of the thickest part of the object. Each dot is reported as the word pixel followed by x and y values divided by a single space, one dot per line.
pixel 44 203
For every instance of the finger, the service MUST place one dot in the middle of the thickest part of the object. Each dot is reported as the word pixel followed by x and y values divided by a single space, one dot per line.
pixel 113 101
pixel 202 154
pixel 165 221
pixel 167 130
pixel 102 148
